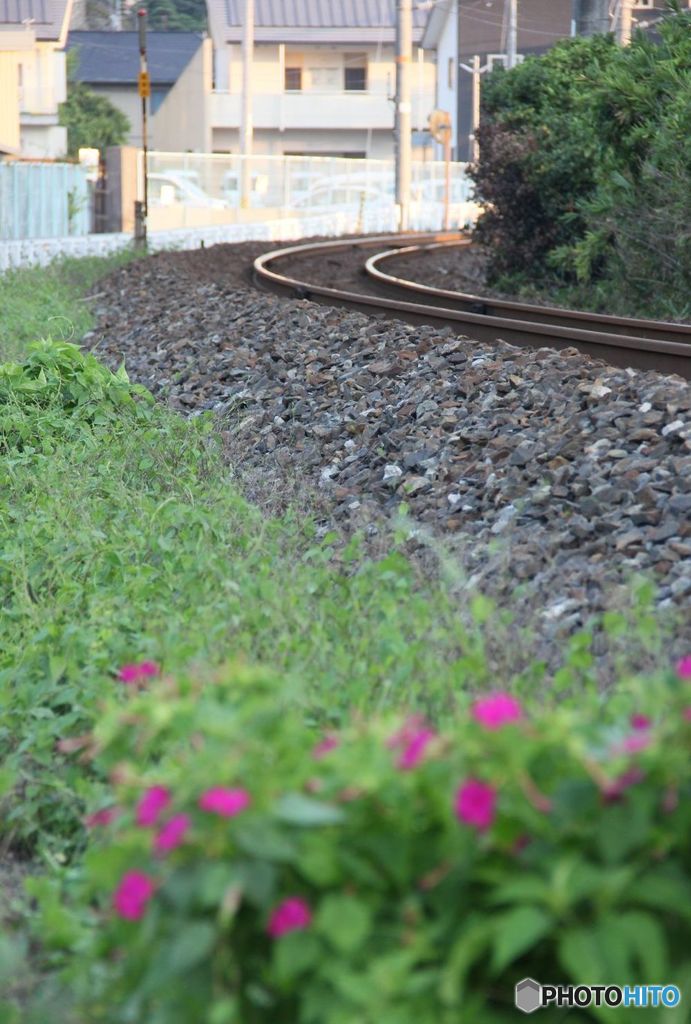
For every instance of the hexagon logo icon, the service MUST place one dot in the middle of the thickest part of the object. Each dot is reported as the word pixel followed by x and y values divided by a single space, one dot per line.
pixel 528 995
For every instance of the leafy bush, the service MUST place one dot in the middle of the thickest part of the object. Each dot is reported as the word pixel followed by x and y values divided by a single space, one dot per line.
pixel 240 870
pixel 586 166
pixel 57 378
pixel 636 246
pixel 538 156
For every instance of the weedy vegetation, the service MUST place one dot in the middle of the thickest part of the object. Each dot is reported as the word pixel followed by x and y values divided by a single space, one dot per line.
pixel 255 775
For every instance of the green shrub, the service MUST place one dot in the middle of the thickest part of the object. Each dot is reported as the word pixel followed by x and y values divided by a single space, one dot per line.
pixel 388 873
pixel 58 391
pixel 538 156
pixel 585 165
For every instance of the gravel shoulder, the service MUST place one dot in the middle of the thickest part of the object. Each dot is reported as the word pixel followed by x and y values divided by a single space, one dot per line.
pixel 550 478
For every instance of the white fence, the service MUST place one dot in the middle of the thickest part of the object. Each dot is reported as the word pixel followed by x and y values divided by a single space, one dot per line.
pixel 190 189
pixel 43 200
pixel 40 252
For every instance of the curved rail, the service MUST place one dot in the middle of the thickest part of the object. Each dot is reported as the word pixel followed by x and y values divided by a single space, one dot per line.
pixel 644 344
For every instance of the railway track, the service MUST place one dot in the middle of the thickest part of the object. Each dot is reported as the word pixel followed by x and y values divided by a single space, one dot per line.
pixel 642 344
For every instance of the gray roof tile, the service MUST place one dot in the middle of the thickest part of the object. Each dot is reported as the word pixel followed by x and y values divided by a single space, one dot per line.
pixel 112 58
pixel 47 17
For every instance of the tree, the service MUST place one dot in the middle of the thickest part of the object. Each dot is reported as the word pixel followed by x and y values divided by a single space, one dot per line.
pixel 92 121
pixel 177 15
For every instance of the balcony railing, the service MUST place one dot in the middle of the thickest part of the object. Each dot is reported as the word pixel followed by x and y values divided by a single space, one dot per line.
pixel 308 110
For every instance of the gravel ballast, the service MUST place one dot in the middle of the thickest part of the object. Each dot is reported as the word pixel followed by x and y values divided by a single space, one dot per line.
pixel 550 471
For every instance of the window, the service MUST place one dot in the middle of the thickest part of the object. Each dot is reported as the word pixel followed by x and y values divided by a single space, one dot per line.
pixel 355 72
pixel 293 79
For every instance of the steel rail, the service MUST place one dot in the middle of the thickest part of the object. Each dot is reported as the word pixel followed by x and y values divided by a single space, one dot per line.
pixel 667 350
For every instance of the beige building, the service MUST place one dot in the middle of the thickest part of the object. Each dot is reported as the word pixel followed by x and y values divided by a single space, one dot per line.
pixel 323 78
pixel 33 77
pixel 180 65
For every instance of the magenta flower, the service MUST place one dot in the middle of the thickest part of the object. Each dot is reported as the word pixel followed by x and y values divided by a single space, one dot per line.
pixel 496 710
pixel 414 750
pixel 640 722
pixel 224 801
pixel 329 743
pixel 634 743
pixel 684 667
pixel 171 834
pixel 102 817
pixel 615 789
pixel 138 671
pixel 132 895
pixel 408 731
pixel 475 804
pixel 149 808
pixel 290 916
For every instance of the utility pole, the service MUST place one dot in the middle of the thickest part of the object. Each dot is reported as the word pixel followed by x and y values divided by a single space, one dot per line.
pixel 141 210
pixel 625 22
pixel 246 128
pixel 402 124
pixel 512 38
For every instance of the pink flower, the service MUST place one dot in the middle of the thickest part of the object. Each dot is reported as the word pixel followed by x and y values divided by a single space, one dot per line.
pixel 172 834
pixel 415 749
pixel 614 790
pixel 633 744
pixel 640 722
pixel 496 710
pixel 136 672
pixel 132 895
pixel 684 667
pixel 408 731
pixel 687 714
pixel 290 916
pixel 330 742
pixel 102 817
pixel 476 803
pixel 149 808
pixel 224 801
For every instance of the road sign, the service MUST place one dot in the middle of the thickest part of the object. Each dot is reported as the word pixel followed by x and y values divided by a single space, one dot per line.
pixel 144 84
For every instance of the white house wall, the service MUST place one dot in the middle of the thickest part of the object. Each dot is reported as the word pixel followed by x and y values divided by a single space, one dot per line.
pixel 182 122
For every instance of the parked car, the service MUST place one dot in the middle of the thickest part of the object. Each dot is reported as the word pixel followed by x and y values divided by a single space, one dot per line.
pixel 173 189
pixel 259 187
pixel 348 197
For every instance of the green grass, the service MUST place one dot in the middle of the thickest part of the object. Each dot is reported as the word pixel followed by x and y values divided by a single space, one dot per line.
pixel 43 302
pixel 123 537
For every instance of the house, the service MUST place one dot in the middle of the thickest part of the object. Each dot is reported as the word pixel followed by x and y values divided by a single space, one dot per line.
pixel 179 65
pixel 323 77
pixel 33 77
pixel 481 25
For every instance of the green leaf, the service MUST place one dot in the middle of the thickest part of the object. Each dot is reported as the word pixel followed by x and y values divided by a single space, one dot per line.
pixel 297 809
pixel 517 932
pixel 294 954
pixel 193 944
pixel 581 957
pixel 344 921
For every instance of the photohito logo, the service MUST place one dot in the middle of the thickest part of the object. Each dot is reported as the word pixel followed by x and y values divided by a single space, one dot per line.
pixel 531 995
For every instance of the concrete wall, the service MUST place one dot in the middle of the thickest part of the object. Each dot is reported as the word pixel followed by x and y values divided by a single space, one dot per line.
pixel 182 122
pixel 9 104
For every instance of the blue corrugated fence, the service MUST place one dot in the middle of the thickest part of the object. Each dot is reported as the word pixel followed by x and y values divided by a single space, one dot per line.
pixel 43 200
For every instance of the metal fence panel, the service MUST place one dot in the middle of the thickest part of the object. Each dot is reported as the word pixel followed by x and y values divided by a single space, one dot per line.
pixel 186 190
pixel 43 200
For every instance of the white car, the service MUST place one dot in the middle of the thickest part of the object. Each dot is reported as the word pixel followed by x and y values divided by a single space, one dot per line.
pixel 177 189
